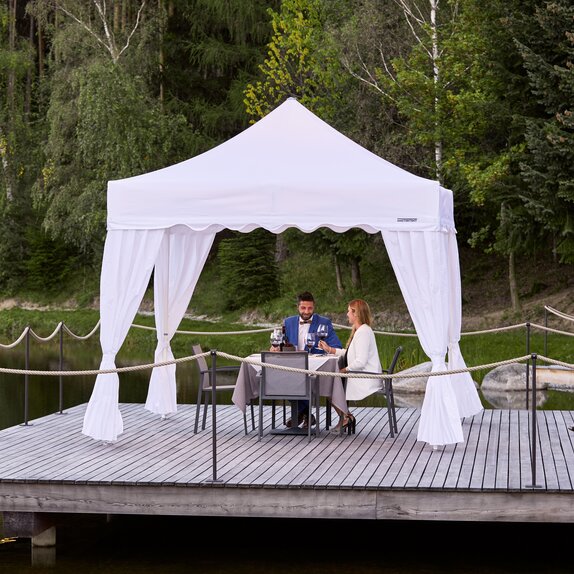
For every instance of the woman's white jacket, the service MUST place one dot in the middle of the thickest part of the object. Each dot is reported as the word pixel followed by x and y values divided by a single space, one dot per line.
pixel 362 355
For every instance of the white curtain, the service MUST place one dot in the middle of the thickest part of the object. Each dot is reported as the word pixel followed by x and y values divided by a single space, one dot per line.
pixel 465 391
pixel 129 258
pixel 182 256
pixel 420 262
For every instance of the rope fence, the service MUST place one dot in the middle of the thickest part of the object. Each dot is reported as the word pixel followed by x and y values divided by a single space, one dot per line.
pixel 28 333
pixel 238 359
pixel 63 327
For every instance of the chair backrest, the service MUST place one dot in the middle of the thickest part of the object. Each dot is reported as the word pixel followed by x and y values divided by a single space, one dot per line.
pixel 394 362
pixel 201 362
pixel 285 384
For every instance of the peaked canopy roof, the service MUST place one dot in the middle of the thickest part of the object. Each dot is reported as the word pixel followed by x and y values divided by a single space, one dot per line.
pixel 290 169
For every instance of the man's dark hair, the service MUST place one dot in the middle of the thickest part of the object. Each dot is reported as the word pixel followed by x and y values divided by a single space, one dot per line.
pixel 305 296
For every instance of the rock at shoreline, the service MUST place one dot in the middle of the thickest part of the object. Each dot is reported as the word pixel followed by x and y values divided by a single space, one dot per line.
pixel 506 378
pixel 415 384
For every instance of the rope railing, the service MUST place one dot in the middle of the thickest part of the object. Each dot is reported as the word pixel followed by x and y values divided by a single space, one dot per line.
pixel 49 337
pixel 63 327
pixel 549 330
pixel 81 337
pixel 250 361
pixel 17 341
pixel 560 314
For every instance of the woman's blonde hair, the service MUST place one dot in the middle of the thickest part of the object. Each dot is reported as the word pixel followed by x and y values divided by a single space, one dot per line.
pixel 363 313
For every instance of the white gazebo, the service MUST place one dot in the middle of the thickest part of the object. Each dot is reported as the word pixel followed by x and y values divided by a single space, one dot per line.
pixel 290 169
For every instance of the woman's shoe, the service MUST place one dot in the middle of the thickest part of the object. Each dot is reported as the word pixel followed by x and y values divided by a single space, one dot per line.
pixel 338 428
pixel 349 423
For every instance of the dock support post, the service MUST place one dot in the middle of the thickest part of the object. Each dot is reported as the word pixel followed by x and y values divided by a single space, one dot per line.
pixel 40 528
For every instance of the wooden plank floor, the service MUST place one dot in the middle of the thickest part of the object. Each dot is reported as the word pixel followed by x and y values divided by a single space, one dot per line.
pixel 159 466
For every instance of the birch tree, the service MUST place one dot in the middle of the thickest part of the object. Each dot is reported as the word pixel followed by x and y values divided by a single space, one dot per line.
pixel 104 21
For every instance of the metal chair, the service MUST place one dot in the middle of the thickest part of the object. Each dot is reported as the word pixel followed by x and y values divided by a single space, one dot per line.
pixel 387 390
pixel 205 388
pixel 276 384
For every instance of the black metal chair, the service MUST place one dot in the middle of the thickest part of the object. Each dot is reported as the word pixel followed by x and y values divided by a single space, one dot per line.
pixel 387 390
pixel 205 388
pixel 276 384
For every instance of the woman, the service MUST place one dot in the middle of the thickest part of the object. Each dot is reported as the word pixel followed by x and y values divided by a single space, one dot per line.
pixel 362 355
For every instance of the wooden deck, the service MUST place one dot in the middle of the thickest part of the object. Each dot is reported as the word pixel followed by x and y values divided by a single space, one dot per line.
pixel 160 467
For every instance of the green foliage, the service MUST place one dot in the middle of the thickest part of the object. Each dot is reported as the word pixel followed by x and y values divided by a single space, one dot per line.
pixel 301 62
pixel 548 166
pixel 212 48
pixel 103 126
pixel 248 269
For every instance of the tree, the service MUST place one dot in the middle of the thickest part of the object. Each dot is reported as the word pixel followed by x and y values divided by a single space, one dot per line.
pixel 212 50
pixel 103 118
pixel 301 62
pixel 100 19
pixel 548 166
pixel 248 271
pixel 19 150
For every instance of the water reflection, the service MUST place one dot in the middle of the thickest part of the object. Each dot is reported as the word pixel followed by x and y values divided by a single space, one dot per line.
pixel 514 399
pixel 44 391
pixel 156 545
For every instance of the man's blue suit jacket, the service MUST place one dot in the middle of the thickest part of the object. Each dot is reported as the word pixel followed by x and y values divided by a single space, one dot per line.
pixel 292 331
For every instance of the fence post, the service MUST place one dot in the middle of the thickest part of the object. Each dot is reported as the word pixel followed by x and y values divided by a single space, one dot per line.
pixel 61 368
pixel 545 332
pixel 26 376
pixel 527 363
pixel 533 438
pixel 214 413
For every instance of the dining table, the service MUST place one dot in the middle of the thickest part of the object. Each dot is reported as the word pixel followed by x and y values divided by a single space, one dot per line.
pixel 330 385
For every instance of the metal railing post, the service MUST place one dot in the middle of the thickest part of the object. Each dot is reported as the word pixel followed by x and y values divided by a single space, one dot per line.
pixel 545 332
pixel 214 413
pixel 533 437
pixel 61 364
pixel 26 376
pixel 527 363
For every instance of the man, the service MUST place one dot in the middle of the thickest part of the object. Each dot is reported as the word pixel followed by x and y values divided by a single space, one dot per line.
pixel 296 329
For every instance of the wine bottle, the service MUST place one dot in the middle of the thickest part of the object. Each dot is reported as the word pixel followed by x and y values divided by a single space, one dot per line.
pixel 285 344
pixel 283 337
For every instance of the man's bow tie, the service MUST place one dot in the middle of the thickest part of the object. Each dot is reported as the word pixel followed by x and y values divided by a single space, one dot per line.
pixel 304 322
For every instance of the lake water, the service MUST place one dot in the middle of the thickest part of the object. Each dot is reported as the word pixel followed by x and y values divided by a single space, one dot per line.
pixel 157 545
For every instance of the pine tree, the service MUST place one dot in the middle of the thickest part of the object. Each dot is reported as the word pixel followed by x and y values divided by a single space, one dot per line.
pixel 548 167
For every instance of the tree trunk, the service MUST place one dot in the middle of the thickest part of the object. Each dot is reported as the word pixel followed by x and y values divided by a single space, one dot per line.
pixel 281 250
pixel 356 273
pixel 512 282
pixel 436 78
pixel 28 95
pixel 340 286
pixel 161 52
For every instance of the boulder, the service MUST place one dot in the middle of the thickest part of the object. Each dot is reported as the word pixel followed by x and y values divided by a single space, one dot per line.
pixel 507 378
pixel 415 384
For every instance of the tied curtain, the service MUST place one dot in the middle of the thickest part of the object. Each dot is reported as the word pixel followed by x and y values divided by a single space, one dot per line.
pixel 465 391
pixel 181 259
pixel 430 295
pixel 178 254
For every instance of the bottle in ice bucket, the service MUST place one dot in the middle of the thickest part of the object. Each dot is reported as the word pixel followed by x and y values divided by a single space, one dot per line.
pixel 285 344
pixel 283 337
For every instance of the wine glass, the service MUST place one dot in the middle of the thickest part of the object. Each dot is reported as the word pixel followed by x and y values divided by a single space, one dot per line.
pixel 310 341
pixel 322 332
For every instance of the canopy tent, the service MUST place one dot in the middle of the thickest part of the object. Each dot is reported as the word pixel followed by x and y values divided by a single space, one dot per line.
pixel 290 169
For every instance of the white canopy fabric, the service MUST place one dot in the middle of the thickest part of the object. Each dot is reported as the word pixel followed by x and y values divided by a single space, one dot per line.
pixel 290 169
